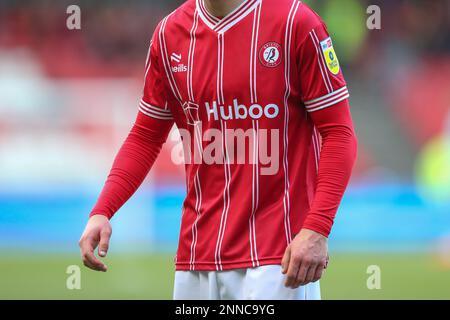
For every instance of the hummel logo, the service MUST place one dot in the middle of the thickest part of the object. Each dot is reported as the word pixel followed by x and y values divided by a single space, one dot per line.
pixel 175 57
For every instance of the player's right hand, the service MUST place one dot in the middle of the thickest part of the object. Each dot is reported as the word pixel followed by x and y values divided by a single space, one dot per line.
pixel 97 233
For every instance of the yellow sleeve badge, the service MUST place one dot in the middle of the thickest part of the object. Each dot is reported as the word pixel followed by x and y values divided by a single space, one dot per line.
pixel 330 56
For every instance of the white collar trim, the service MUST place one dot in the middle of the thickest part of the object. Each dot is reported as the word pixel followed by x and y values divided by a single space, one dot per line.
pixel 222 25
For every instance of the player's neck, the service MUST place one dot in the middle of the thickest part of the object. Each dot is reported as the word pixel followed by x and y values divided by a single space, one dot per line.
pixel 220 8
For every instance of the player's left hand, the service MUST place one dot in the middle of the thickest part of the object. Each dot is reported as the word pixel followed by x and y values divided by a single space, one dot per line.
pixel 305 258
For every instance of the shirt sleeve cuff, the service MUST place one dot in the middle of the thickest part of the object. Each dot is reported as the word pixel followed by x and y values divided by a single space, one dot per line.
pixel 318 224
pixel 96 213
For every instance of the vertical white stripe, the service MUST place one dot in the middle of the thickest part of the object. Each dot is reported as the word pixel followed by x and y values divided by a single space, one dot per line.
pixel 316 148
pixel 227 171
pixel 166 61
pixel 255 248
pixel 250 224
pixel 322 59
pixel 191 55
pixel 227 189
pixel 222 37
pixel 198 137
pixel 288 41
pixel 194 225
pixel 198 204
pixel 198 196
pixel 252 60
pixel 226 197
pixel 148 61
pixel 255 169
pixel 256 52
pixel 197 128
pixel 252 99
pixel 219 60
pixel 319 62
pixel 216 252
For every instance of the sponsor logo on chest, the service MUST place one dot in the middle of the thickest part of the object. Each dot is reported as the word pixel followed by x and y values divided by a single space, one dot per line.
pixel 238 111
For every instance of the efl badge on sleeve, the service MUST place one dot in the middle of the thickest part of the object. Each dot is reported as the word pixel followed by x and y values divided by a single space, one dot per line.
pixel 330 56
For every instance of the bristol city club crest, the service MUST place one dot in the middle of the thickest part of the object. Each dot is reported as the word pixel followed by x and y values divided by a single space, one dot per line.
pixel 270 54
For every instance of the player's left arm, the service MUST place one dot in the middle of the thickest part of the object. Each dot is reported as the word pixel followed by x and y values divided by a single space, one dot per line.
pixel 325 97
pixel 307 255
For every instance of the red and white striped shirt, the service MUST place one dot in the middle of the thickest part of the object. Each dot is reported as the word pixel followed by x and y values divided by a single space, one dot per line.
pixel 264 70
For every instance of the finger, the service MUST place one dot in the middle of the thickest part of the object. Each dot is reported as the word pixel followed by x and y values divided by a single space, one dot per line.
pixel 291 275
pixel 87 252
pixel 285 260
pixel 319 272
pixel 91 261
pixel 310 274
pixel 103 246
pixel 302 272
pixel 87 245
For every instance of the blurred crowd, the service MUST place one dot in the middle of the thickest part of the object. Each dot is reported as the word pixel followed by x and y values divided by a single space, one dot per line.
pixel 112 42
pixel 399 76
pixel 114 32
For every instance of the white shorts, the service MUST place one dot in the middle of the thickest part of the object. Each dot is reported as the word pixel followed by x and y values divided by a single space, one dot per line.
pixel 261 283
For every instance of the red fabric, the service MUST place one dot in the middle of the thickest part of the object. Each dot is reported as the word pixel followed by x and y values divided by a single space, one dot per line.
pixel 132 164
pixel 143 144
pixel 277 83
pixel 337 157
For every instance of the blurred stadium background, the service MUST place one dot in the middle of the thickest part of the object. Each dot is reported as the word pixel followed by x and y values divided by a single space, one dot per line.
pixel 68 99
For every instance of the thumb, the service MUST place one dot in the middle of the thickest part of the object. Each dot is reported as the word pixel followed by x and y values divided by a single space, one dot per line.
pixel 103 245
pixel 285 260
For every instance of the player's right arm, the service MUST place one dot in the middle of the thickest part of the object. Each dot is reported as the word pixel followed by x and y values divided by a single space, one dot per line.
pixel 133 161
